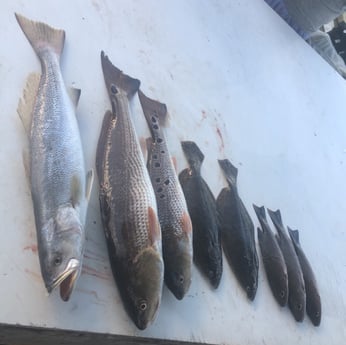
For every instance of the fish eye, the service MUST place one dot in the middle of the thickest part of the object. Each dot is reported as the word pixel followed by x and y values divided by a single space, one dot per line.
pixel 114 89
pixel 143 305
pixel 299 306
pixel 282 293
pixel 181 279
pixel 57 260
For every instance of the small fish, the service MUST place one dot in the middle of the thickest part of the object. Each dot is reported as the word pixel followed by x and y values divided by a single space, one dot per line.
pixel 296 286
pixel 207 252
pixel 59 185
pixel 313 299
pixel 172 210
pixel 273 260
pixel 237 231
pixel 127 203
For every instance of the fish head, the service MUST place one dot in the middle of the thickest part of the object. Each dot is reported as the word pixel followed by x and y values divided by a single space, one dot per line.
pixel 144 287
pixel 178 267
pixel 249 275
pixel 62 255
pixel 297 301
pixel 313 308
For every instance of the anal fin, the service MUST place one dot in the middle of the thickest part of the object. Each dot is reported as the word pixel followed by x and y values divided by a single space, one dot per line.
pixel 154 226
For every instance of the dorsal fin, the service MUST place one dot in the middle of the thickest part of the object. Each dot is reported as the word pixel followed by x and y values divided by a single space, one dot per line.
pixel 186 224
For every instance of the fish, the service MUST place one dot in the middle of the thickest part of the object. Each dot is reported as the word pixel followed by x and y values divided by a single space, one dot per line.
pixel 201 203
pixel 313 298
pixel 273 260
pixel 127 203
pixel 237 232
pixel 60 187
pixel 296 286
pixel 173 214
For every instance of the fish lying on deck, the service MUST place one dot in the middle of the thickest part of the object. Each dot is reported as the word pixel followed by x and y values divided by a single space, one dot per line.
pixel 207 251
pixel 313 299
pixel 237 232
pixel 273 260
pixel 128 205
pixel 296 286
pixel 59 186
pixel 172 210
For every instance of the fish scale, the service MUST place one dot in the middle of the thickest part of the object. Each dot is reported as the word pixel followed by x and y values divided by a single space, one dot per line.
pixel 128 205
pixel 57 173
pixel 172 209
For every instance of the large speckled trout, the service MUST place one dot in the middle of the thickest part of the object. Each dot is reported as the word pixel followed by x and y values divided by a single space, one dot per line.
pixel 128 205
pixel 172 209
pixel 56 166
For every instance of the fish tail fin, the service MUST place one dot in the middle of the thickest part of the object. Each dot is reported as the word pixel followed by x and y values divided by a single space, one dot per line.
pixel 294 234
pixel 115 79
pixel 276 218
pixel 155 112
pixel 193 154
pixel 261 215
pixel 42 36
pixel 230 171
pixel 260 211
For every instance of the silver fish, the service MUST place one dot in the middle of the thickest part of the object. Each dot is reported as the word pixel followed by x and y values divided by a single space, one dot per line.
pixel 172 209
pixel 128 205
pixel 56 167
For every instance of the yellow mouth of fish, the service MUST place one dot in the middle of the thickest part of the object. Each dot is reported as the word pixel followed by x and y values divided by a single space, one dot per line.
pixel 67 279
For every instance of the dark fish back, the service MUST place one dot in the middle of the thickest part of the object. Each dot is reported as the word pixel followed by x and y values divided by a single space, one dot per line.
pixel 296 286
pixel 273 260
pixel 313 299
pixel 207 252
pixel 237 232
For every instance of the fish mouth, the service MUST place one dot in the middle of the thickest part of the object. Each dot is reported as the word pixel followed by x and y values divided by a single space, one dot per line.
pixel 67 279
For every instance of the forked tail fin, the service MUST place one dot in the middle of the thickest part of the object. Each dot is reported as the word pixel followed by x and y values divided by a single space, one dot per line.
pixel 261 215
pixel 155 113
pixel 116 80
pixel 193 154
pixel 42 36
pixel 230 171
pixel 294 234
pixel 277 220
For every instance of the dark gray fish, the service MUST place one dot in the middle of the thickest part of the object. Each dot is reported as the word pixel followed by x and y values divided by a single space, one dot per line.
pixel 201 203
pixel 128 205
pixel 273 260
pixel 237 232
pixel 59 185
pixel 296 286
pixel 172 210
pixel 313 299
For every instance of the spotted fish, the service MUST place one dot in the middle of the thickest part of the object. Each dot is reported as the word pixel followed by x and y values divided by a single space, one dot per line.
pixel 313 299
pixel 237 232
pixel 127 203
pixel 172 210
pixel 273 260
pixel 296 286
pixel 55 164
pixel 207 251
